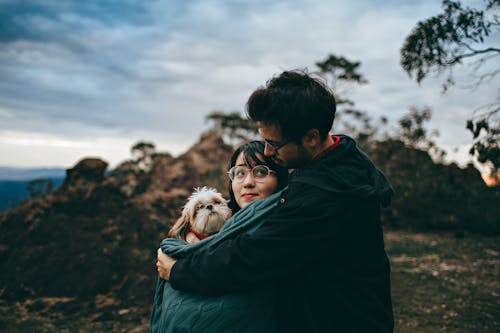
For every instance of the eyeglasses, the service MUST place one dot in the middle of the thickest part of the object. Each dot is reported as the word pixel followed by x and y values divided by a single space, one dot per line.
pixel 239 173
pixel 276 145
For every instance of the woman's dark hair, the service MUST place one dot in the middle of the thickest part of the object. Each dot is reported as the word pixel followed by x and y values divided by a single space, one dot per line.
pixel 250 151
pixel 295 102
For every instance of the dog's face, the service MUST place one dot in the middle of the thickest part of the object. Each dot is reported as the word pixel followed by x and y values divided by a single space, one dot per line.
pixel 205 213
pixel 206 210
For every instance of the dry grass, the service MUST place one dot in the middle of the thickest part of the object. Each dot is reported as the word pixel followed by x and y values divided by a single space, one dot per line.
pixel 440 283
pixel 65 315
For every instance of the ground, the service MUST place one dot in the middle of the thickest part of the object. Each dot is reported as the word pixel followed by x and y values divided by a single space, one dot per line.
pixel 440 283
pixel 444 283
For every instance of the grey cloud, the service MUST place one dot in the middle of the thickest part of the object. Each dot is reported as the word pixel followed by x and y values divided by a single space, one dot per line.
pixel 127 68
pixel 44 21
pixel 75 60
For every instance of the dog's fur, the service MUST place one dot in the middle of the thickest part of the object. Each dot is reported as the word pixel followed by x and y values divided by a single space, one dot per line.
pixel 204 213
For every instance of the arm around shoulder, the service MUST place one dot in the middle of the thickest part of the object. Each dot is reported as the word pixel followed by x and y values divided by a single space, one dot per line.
pixel 285 244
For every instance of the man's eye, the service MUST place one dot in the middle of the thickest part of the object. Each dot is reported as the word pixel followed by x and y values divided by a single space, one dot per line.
pixel 240 173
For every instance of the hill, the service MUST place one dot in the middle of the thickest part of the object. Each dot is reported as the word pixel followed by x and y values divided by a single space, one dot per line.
pixel 97 233
pixel 95 237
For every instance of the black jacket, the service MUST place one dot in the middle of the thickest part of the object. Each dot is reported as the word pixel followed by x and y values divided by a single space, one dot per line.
pixel 322 249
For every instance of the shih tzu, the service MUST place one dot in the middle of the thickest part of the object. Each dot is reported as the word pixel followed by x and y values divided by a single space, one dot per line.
pixel 204 214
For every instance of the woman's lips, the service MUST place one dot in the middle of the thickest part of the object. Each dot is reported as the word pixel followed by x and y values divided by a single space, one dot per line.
pixel 249 196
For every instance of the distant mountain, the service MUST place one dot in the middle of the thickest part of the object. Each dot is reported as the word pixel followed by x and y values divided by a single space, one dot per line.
pixel 9 173
pixel 14 182
pixel 12 192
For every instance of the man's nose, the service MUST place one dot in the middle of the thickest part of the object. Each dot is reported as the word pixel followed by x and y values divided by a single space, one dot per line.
pixel 268 150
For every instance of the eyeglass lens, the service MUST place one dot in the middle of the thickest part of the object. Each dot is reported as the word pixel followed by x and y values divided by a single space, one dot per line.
pixel 276 145
pixel 239 173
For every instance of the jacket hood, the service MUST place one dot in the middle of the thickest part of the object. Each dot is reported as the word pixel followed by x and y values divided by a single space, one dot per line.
pixel 346 169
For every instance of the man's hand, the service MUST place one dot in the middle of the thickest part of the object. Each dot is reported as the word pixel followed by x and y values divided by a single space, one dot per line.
pixel 164 264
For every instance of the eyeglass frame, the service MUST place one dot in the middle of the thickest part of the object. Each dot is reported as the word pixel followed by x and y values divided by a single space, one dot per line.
pixel 277 145
pixel 258 180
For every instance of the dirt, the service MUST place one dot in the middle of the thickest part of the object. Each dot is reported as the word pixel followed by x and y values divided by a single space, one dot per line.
pixel 440 283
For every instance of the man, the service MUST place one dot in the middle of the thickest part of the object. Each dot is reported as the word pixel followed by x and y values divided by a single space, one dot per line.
pixel 322 248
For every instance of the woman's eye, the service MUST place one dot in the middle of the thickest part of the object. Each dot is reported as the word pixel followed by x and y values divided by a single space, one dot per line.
pixel 261 172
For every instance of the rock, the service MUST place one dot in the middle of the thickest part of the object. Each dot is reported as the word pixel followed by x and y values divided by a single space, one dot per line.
pixel 91 169
pixel 98 233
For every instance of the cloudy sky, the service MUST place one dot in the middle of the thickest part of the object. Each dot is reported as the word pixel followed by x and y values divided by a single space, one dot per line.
pixel 91 78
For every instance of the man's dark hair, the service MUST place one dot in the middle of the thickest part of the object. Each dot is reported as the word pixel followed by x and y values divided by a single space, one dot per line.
pixel 295 102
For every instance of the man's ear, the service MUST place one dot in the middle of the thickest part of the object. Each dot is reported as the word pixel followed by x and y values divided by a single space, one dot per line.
pixel 311 139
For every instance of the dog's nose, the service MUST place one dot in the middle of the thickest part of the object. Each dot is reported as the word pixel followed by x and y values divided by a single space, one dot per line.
pixel 210 207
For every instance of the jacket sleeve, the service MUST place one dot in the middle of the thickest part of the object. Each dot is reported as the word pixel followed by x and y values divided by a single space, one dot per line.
pixel 296 235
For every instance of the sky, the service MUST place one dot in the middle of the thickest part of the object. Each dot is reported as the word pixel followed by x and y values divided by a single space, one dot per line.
pixel 91 78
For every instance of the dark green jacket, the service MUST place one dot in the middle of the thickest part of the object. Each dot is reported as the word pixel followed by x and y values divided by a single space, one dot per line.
pixel 243 312
pixel 322 250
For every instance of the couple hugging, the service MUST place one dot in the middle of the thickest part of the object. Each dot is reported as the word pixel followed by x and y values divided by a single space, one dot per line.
pixel 302 252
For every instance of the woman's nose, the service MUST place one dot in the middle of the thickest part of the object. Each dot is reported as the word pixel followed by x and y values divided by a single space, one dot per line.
pixel 249 180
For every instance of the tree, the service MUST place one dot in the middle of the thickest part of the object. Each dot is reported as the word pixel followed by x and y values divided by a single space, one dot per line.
pixel 485 128
pixel 444 41
pixel 143 151
pixel 39 187
pixel 341 72
pixel 233 126
pixel 413 133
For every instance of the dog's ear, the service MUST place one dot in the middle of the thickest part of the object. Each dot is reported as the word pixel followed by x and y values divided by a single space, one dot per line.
pixel 181 227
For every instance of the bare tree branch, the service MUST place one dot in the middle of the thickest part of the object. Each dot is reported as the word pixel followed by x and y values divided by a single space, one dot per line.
pixel 458 58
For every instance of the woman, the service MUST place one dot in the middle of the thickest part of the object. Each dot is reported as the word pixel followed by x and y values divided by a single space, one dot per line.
pixel 253 177
pixel 268 178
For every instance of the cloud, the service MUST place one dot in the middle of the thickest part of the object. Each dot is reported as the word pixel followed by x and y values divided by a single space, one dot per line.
pixel 49 150
pixel 130 70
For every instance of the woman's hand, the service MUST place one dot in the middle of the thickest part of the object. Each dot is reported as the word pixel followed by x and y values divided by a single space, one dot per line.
pixel 164 264
pixel 191 238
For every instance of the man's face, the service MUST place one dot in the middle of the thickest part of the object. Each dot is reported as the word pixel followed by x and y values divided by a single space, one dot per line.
pixel 284 152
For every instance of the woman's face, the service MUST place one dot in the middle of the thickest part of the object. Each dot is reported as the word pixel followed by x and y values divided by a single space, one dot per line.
pixel 248 190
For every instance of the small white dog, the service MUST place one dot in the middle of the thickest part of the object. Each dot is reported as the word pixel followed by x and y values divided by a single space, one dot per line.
pixel 204 214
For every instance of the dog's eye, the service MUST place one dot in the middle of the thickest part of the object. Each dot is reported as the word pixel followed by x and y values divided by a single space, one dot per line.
pixel 201 206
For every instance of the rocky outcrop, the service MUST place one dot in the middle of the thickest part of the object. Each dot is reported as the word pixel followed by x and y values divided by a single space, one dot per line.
pixel 203 164
pixel 90 169
pixel 82 179
pixel 98 233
